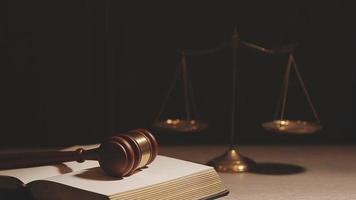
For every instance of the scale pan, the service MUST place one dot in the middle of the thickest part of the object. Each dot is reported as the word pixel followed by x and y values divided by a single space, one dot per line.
pixel 292 126
pixel 181 125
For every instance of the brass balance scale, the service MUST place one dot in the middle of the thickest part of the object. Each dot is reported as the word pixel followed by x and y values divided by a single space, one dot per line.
pixel 232 161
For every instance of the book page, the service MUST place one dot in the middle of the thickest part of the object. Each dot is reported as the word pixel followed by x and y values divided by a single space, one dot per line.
pixel 26 175
pixel 161 170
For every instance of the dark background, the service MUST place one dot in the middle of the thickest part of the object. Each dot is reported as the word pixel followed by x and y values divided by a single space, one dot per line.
pixel 76 71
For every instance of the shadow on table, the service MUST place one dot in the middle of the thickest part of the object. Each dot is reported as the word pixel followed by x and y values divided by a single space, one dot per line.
pixel 276 169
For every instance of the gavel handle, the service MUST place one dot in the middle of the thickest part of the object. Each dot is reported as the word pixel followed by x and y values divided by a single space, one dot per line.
pixel 31 159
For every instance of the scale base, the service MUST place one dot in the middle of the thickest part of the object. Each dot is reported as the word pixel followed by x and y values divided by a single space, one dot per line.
pixel 232 162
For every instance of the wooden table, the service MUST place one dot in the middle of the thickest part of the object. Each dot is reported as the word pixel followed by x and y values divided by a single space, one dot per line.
pixel 312 172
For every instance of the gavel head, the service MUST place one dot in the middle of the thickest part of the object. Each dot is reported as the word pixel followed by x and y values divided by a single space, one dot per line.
pixel 122 154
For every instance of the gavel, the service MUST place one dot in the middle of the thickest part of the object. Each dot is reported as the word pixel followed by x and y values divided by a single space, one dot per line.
pixel 119 155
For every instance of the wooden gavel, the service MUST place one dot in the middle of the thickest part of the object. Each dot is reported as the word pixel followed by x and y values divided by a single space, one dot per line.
pixel 118 155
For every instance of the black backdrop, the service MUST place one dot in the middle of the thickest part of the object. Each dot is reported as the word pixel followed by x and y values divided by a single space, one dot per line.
pixel 75 71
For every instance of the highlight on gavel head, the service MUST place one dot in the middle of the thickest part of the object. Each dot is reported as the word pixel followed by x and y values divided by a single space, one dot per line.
pixel 122 154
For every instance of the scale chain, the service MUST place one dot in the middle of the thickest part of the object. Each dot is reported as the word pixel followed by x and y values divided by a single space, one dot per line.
pixel 185 85
pixel 304 89
pixel 286 84
pixel 171 87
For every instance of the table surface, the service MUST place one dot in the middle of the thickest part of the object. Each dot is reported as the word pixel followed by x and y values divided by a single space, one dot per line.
pixel 312 172
pixel 285 172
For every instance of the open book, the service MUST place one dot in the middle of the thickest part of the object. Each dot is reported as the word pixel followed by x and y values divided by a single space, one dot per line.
pixel 165 178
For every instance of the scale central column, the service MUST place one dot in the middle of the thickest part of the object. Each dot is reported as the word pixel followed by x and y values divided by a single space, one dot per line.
pixel 231 161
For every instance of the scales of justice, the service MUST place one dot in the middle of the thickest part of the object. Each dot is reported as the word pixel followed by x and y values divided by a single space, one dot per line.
pixel 231 161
